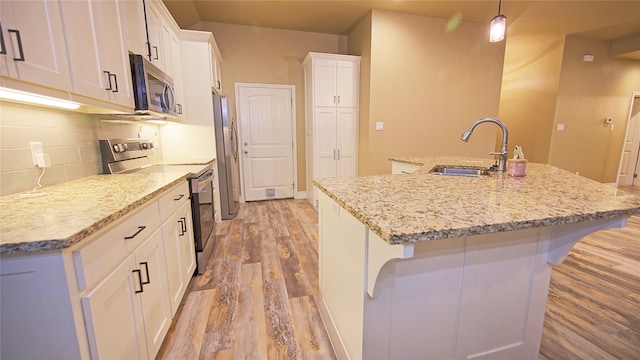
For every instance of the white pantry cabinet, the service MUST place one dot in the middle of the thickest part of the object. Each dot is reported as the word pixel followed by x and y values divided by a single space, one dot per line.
pixel 331 99
pixel 112 296
pixel 98 50
pixel 34 42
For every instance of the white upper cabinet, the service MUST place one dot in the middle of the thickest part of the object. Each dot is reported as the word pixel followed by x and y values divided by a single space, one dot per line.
pixel 136 28
pixel 98 51
pixel 335 82
pixel 33 43
pixel 199 53
pixel 154 33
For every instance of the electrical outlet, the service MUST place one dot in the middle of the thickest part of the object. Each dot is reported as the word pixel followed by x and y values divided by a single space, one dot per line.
pixel 43 160
pixel 36 148
pixel 379 126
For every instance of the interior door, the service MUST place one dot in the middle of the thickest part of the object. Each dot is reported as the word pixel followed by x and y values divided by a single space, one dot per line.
pixel 630 162
pixel 265 116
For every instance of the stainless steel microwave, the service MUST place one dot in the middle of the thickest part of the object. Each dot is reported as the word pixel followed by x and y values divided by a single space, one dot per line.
pixel 153 89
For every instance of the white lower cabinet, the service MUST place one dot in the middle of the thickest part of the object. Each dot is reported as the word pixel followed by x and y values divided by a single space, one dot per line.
pixel 179 249
pixel 110 297
pixel 113 316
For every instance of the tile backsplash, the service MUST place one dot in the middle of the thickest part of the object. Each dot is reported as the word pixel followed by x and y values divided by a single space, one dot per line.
pixel 70 139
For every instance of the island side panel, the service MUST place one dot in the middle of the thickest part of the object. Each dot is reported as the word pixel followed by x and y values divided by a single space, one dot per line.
pixel 342 269
pixel 414 309
pixel 477 297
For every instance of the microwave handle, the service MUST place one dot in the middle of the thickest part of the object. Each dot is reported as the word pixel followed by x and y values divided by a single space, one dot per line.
pixel 165 98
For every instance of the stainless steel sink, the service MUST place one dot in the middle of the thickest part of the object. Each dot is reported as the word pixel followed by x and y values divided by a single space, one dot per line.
pixel 468 171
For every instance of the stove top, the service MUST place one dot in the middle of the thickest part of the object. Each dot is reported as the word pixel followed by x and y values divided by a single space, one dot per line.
pixel 121 156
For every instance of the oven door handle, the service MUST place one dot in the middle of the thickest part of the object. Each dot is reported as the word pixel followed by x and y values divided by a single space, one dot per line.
pixel 206 176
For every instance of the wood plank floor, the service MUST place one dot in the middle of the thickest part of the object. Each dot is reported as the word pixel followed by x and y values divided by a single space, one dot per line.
pixel 258 297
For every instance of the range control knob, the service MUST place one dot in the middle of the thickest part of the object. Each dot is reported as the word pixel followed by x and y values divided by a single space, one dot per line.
pixel 118 148
pixel 147 145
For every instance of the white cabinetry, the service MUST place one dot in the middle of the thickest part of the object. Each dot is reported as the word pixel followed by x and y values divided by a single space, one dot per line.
pixel 177 232
pixel 403 168
pixel 331 86
pixel 33 38
pixel 98 50
pixel 109 297
pixel 200 55
pixel 136 27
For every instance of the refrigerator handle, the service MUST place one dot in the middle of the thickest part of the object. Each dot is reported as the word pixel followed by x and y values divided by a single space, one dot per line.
pixel 234 133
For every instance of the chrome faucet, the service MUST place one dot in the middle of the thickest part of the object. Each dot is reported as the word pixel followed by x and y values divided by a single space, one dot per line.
pixel 505 135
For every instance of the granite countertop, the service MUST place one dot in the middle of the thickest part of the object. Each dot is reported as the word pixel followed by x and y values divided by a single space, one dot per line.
pixel 73 210
pixel 422 206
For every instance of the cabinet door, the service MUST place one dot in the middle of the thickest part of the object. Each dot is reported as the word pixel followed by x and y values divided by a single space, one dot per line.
pixel 347 84
pixel 165 47
pixel 324 142
pixel 154 29
pixel 180 253
pixel 97 50
pixel 347 141
pixel 324 83
pixel 216 71
pixel 34 39
pixel 178 80
pixel 136 28
pixel 113 316
pixel 156 311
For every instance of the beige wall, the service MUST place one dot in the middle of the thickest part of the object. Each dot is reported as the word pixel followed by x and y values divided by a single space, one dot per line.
pixel 427 85
pixel 589 92
pixel 70 139
pixel 529 90
pixel 270 56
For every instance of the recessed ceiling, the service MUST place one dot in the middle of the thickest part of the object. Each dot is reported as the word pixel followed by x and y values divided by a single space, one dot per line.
pixel 602 20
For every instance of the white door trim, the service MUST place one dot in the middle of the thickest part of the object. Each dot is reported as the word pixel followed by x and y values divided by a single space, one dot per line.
pixel 292 88
pixel 634 97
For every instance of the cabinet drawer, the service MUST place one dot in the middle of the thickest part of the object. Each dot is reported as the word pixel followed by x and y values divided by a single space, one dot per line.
pixel 96 259
pixel 173 199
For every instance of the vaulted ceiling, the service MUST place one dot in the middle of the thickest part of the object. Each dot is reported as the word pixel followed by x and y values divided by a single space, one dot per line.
pixel 603 20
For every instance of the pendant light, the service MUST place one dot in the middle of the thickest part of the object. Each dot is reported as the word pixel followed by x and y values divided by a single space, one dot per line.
pixel 498 26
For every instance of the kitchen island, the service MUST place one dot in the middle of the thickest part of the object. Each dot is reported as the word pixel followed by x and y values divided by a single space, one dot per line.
pixel 444 267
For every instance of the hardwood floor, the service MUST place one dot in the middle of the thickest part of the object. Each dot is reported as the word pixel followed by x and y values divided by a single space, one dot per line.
pixel 258 297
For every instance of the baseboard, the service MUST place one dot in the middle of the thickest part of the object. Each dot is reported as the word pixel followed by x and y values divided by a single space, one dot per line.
pixel 334 336
pixel 299 195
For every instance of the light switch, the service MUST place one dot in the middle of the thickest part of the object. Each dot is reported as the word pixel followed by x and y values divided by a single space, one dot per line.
pixel 379 126
pixel 560 127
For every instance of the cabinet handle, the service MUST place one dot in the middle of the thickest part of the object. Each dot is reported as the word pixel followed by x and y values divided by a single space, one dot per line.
pixel 139 278
pixel 181 231
pixel 338 154
pixel 405 172
pixel 17 32
pixel 334 99
pixel 179 106
pixel 3 48
pixel 108 78
pixel 140 228
pixel 218 84
pixel 184 224
pixel 338 99
pixel 156 49
pixel 146 269
pixel 178 197
pixel 334 154
pixel 115 80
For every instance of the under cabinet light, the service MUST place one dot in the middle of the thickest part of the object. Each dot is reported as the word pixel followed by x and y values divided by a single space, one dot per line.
pixel 21 96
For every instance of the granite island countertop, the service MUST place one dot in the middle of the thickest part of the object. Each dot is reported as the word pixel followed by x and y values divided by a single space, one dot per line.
pixel 71 211
pixel 422 206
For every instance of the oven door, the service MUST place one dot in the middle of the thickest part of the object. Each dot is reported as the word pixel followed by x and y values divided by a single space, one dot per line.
pixel 202 206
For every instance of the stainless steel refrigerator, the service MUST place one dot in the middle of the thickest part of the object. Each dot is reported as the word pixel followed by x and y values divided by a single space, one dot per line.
pixel 227 158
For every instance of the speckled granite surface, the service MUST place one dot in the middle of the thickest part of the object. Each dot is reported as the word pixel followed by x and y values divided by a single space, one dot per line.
pixel 73 210
pixel 422 206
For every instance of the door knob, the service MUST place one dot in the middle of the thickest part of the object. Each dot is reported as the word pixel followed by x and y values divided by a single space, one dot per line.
pixel 246 151
pixel 246 143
